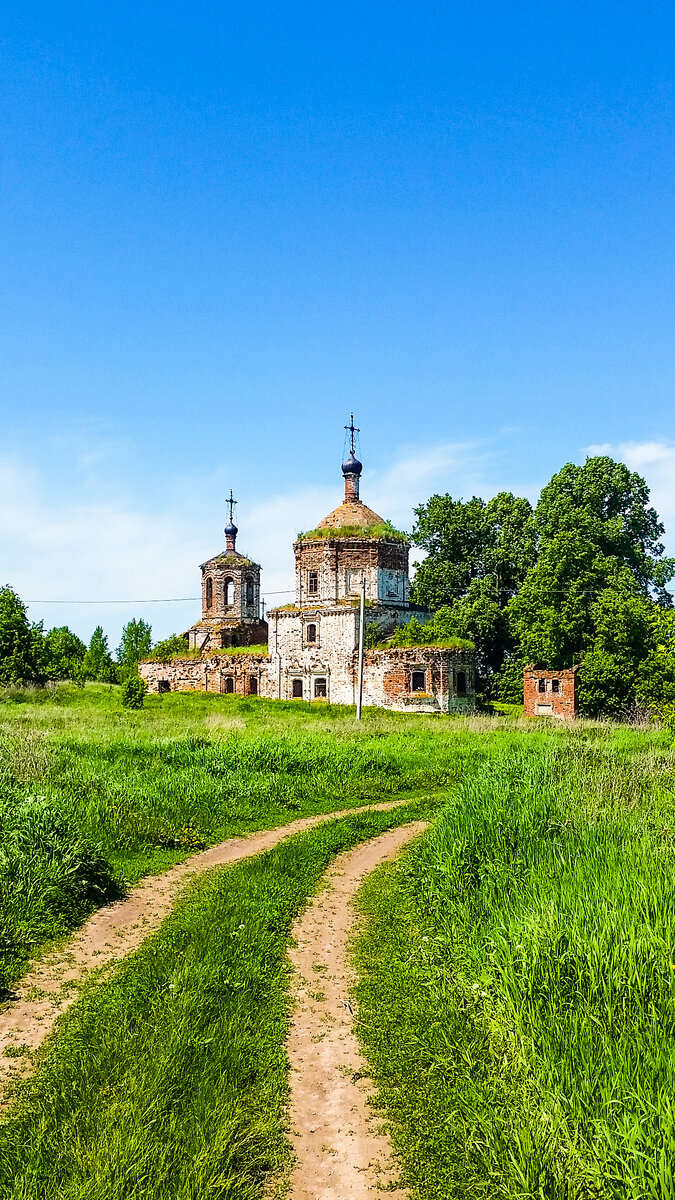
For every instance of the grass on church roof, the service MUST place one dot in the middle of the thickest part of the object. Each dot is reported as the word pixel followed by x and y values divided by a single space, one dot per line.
pixel 382 530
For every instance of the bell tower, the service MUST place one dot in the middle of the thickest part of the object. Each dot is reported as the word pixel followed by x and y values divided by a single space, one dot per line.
pixel 230 596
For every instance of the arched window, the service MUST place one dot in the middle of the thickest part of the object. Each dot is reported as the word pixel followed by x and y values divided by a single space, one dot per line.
pixel 418 681
pixel 297 689
pixel 229 685
pixel 228 591
pixel 249 592
pixel 311 633
pixel 320 689
pixel 252 685
pixel 209 593
pixel 461 683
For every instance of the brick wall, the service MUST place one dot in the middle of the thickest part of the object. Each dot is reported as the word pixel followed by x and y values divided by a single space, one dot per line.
pixel 209 674
pixel 333 558
pixel 549 703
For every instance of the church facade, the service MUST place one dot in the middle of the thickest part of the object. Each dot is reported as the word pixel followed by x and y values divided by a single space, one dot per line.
pixel 313 644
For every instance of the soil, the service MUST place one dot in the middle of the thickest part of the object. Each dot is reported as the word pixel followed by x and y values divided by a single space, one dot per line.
pixel 340 1150
pixel 111 933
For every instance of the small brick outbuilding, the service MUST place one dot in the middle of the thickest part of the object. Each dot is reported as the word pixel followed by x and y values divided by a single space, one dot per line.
pixel 550 693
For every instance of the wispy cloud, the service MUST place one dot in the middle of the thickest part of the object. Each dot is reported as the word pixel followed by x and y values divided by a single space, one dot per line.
pixel 74 538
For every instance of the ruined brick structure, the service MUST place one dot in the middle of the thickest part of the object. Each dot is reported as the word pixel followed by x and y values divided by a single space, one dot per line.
pixel 230 599
pixel 313 643
pixel 550 693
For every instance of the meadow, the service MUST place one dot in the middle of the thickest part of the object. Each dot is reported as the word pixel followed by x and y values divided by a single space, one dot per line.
pixel 92 796
pixel 517 964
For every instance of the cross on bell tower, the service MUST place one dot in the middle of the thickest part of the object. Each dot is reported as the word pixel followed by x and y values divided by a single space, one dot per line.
pixel 351 430
pixel 231 530
pixel 351 467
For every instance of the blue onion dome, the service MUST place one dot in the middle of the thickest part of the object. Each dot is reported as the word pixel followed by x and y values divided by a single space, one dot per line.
pixel 231 529
pixel 352 466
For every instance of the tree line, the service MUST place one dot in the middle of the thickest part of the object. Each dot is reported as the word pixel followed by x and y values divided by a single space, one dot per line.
pixel 28 655
pixel 580 579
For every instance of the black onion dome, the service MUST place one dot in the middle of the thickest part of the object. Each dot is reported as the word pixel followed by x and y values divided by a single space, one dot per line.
pixel 352 466
pixel 231 529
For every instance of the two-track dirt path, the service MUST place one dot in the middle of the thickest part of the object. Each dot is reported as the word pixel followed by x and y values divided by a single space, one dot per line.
pixel 113 932
pixel 340 1153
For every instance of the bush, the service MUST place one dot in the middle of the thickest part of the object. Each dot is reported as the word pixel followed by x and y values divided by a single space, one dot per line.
pixel 50 877
pixel 133 692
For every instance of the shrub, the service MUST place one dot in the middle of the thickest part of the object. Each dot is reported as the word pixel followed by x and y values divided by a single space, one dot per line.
pixel 133 692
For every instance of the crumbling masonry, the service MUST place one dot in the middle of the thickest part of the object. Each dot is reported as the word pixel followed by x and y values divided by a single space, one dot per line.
pixel 312 645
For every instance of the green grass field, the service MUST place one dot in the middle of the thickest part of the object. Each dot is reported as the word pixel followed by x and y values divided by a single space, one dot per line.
pixel 517 965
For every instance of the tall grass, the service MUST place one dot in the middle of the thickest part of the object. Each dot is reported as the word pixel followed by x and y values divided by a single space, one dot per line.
pixel 169 1080
pixel 536 922
pixel 50 877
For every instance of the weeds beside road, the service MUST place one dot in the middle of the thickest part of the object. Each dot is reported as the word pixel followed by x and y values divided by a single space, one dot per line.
pixel 518 990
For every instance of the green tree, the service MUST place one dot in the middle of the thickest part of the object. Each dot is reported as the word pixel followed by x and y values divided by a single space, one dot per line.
pixel 135 644
pixel 64 653
pixel 478 554
pixel 22 649
pixel 171 647
pixel 98 663
pixel 608 507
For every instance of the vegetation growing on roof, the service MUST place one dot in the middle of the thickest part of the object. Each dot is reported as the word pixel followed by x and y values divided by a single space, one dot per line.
pixel 231 560
pixel 256 650
pixel 384 529
pixel 429 634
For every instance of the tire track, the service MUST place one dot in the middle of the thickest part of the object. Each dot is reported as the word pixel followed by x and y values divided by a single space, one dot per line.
pixel 53 984
pixel 340 1152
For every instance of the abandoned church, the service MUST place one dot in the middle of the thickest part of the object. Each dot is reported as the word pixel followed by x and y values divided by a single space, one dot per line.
pixel 312 645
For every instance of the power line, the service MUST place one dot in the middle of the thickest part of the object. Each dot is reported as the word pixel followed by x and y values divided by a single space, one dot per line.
pixel 171 600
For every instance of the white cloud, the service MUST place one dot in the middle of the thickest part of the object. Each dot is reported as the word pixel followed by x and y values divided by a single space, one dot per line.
pixel 74 539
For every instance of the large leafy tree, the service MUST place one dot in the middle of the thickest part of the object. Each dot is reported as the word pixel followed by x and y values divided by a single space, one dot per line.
pixel 608 507
pixel 64 652
pixel 477 557
pixel 580 580
pixel 135 643
pixel 471 540
pixel 22 649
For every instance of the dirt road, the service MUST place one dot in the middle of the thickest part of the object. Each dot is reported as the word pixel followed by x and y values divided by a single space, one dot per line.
pixel 340 1154
pixel 54 982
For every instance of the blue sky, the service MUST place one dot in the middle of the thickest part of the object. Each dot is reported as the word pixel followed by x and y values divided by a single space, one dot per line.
pixel 226 226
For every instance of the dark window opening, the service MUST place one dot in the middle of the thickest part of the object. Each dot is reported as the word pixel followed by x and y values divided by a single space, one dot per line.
pixel 311 633
pixel 542 685
pixel 163 685
pixel 228 591
pixel 297 689
pixel 320 690
pixel 555 685
pixel 209 593
pixel 249 591
pixel 418 681
pixel 461 683
pixel 229 685
pixel 233 640
pixel 253 686
pixel 313 582
pixel 223 641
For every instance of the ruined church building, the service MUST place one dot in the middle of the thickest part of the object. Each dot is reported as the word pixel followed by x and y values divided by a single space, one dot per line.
pixel 313 644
